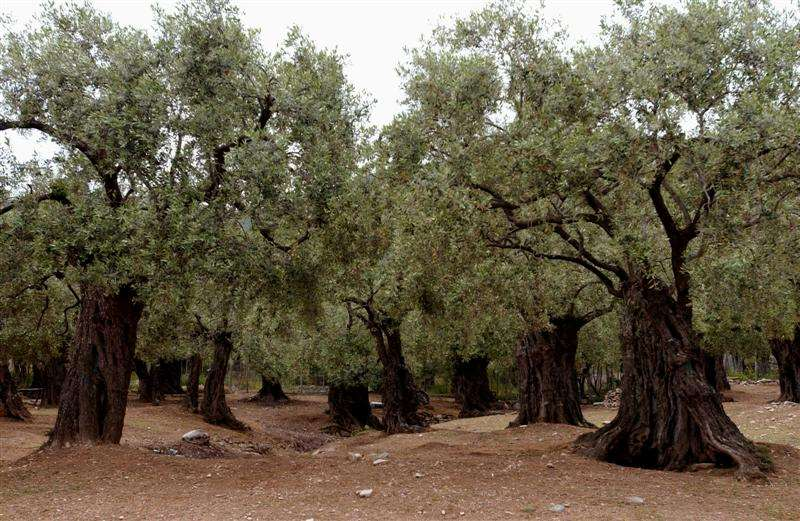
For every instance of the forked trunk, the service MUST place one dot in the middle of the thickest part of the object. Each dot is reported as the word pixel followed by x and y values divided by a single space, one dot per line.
pixel 49 377
pixel 215 408
pixel 669 417
pixel 471 388
pixel 11 405
pixel 95 393
pixel 548 381
pixel 787 353
pixel 271 392
pixel 349 409
pixel 193 383
pixel 401 397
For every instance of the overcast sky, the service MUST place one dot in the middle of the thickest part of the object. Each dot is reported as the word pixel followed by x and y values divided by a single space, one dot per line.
pixel 372 32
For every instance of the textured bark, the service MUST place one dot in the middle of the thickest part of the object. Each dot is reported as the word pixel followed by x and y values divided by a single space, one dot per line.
pixel 271 392
pixel 11 404
pixel 95 393
pixel 215 408
pixel 787 353
pixel 193 383
pixel 548 381
pixel 471 389
pixel 714 368
pixel 669 417
pixel 349 409
pixel 401 397
pixel 50 376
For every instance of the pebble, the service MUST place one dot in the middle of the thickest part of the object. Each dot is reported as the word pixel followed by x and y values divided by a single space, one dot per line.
pixel 556 507
pixel 367 492
pixel 197 436
pixel 354 456
pixel 418 474
pixel 379 461
pixel 550 466
pixel 380 455
pixel 634 500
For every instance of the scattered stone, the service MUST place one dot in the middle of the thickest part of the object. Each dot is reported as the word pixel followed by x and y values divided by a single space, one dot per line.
pixel 367 492
pixel 354 456
pixel 556 507
pixel 701 466
pixel 197 437
pixel 634 500
pixel 379 461
pixel 612 398
pixel 418 474
pixel 550 466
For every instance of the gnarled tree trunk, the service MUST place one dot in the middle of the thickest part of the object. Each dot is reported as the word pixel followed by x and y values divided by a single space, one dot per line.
pixel 95 393
pixel 714 368
pixel 471 388
pixel 401 397
pixel 193 382
pixel 50 376
pixel 669 417
pixel 349 408
pixel 11 405
pixel 548 380
pixel 787 353
pixel 215 408
pixel 271 392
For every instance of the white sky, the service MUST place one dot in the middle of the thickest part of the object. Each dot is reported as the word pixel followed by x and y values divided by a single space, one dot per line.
pixel 373 33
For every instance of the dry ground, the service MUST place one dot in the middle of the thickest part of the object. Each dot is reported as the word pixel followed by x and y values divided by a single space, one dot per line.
pixel 463 469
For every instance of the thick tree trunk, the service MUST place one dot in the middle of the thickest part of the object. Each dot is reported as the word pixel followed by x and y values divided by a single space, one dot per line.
pixel 11 405
pixel 169 376
pixel 669 417
pixel 401 397
pixel 148 383
pixel 714 369
pixel 471 388
pixel 50 376
pixel 271 392
pixel 787 353
pixel 193 382
pixel 349 408
pixel 95 394
pixel 215 408
pixel 548 381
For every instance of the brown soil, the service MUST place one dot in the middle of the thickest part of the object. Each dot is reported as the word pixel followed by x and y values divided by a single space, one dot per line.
pixel 470 469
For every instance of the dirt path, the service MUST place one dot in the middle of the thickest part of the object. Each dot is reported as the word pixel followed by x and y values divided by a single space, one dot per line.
pixel 468 469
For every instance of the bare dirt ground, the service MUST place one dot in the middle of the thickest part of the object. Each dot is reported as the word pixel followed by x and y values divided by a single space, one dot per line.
pixel 463 469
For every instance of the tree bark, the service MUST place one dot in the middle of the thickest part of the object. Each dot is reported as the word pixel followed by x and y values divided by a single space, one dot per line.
pixel 548 381
pixel 401 397
pixel 215 408
pixel 471 388
pixel 787 353
pixel 349 408
pixel 95 394
pixel 669 417
pixel 193 382
pixel 148 383
pixel 271 392
pixel 50 376
pixel 714 368
pixel 11 404
pixel 169 376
